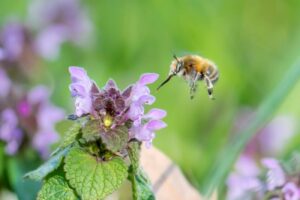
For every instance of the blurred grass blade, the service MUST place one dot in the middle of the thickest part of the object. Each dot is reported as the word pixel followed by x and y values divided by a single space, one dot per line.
pixel 228 157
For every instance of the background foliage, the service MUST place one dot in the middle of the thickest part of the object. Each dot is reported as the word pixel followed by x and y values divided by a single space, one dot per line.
pixel 252 42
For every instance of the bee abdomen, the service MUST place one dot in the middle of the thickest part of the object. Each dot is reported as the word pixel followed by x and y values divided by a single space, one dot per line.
pixel 213 74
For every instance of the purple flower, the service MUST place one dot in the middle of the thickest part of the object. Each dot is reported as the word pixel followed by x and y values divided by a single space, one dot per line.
pixel 5 83
pixel 271 139
pixel 12 40
pixel 59 21
pixel 275 175
pixel 146 131
pixel 276 134
pixel 10 132
pixel 115 108
pixel 141 95
pixel 244 181
pixel 81 90
pixel 47 115
pixel 291 191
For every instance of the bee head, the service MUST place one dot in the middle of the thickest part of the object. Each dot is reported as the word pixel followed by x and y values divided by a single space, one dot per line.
pixel 177 66
pixel 176 69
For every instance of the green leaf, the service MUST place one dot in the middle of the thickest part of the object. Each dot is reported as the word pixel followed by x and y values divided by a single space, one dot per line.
pixel 116 139
pixel 49 166
pixel 91 177
pixel 2 158
pixel 70 135
pixel 56 188
pixel 141 186
pixel 227 157
pixel 91 130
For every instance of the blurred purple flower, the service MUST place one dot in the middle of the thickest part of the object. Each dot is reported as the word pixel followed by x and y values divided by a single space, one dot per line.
pixel 60 21
pixel 10 132
pixel 244 180
pixel 271 139
pixel 5 83
pixel 116 108
pixel 47 115
pixel 275 175
pixel 81 90
pixel 291 191
pixel 12 41
pixel 276 134
pixel 33 117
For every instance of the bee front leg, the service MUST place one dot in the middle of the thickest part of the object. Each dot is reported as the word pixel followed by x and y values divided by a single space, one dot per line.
pixel 194 84
pixel 209 86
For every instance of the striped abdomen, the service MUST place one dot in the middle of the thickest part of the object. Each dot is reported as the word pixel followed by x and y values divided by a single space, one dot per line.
pixel 213 73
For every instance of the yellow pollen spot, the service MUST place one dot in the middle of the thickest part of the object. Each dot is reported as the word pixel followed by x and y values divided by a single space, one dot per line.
pixel 108 120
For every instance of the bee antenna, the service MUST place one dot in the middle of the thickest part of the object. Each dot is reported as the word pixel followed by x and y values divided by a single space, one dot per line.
pixel 174 56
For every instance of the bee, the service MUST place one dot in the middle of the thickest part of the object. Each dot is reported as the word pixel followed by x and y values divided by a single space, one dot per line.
pixel 194 68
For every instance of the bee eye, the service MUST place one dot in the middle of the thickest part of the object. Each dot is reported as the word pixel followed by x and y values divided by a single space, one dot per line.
pixel 179 66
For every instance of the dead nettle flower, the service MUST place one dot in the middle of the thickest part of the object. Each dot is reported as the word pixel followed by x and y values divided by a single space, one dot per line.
pixel 115 107
pixel 279 183
pixel 16 47
pixel 271 139
pixel 59 21
pixel 244 181
pixel 31 118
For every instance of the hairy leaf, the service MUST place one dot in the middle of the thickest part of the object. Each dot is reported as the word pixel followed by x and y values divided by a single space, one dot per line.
pixel 56 188
pixel 116 139
pixel 91 130
pixel 91 177
pixel 70 135
pixel 49 166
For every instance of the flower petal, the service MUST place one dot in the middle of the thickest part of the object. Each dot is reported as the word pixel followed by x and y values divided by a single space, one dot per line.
pixel 291 191
pixel 155 113
pixel 77 90
pixel 77 73
pixel 146 99
pixel 275 174
pixel 148 78
pixel 155 125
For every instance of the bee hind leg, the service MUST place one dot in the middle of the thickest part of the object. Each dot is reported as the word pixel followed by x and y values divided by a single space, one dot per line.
pixel 209 86
pixel 194 85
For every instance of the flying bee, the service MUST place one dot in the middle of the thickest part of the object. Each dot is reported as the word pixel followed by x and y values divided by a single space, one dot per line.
pixel 194 68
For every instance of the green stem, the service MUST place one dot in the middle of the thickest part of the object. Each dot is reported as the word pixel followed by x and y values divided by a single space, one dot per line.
pixel 228 157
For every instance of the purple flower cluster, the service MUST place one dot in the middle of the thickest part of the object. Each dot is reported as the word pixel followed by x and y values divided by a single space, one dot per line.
pixel 17 48
pixel 115 107
pixel 58 21
pixel 28 118
pixel 245 180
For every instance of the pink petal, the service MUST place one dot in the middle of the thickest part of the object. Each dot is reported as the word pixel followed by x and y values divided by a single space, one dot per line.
pixel 156 114
pixel 146 99
pixel 155 125
pixel 77 73
pixel 291 191
pixel 148 78
pixel 275 174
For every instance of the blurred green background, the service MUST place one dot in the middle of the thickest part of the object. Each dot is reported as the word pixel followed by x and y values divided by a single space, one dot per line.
pixel 252 42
